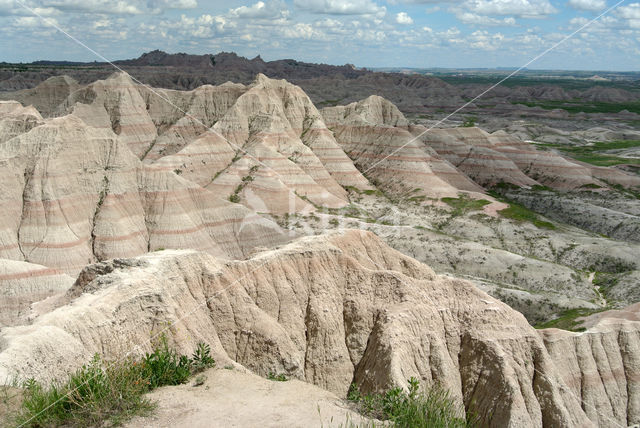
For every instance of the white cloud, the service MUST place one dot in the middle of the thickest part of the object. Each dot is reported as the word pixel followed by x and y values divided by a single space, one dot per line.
pixel 592 5
pixel 341 7
pixel 260 10
pixel 301 31
pixel 484 40
pixel 631 11
pixel 119 7
pixel 160 5
pixel 328 23
pixel 97 6
pixel 404 19
pixel 470 18
pixel 519 8
pixel 631 14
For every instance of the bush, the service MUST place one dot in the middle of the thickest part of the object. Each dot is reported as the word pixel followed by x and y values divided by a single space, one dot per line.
pixel 101 391
pixel 281 377
pixel 469 122
pixel 412 408
pixel 91 395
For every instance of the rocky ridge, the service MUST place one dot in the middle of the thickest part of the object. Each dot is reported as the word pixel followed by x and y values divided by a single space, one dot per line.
pixel 116 169
pixel 367 314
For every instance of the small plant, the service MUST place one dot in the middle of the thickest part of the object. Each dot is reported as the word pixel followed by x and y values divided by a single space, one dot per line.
pixel 235 198
pixel 177 171
pixel 411 408
pixel 469 122
pixel 165 367
pixel 93 394
pixel 201 358
pixel 334 222
pixel 277 377
pixel 108 391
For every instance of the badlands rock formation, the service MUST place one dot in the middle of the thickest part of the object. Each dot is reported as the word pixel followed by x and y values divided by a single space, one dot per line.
pixel 23 284
pixel 97 180
pixel 375 134
pixel 442 160
pixel 73 194
pixel 335 309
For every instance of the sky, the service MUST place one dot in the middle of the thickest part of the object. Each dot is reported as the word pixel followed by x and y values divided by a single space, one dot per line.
pixel 367 33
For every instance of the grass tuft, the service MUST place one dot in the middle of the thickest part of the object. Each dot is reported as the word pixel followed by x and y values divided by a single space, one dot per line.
pixel 110 393
pixel 412 408
pixel 280 377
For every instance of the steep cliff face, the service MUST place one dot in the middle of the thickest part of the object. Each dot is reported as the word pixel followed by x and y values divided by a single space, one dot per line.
pixel 602 367
pixel 329 310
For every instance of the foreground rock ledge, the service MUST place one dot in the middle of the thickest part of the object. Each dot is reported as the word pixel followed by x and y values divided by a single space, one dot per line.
pixel 334 309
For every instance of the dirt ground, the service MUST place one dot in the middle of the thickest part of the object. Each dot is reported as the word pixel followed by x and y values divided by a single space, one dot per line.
pixel 230 398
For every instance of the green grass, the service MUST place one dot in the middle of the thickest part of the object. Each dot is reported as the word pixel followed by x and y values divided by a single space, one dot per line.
pixel 411 409
pixel 102 391
pixel 567 319
pixel 584 107
pixel 521 214
pixel 593 153
pixel 465 204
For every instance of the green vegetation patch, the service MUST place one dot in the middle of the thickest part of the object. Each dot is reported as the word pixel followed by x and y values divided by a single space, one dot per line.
pixel 469 122
pixel 567 319
pixel 104 391
pixel 519 213
pixel 280 377
pixel 583 107
pixel 593 153
pixel 465 204
pixel 413 408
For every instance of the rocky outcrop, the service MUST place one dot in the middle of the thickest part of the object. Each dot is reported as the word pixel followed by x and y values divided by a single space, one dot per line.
pixel 601 367
pixel 501 158
pixel 376 136
pixel 16 119
pixel 47 96
pixel 328 310
pixel 22 284
pixel 469 150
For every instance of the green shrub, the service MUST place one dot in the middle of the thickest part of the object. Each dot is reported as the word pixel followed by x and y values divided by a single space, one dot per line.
pixel 165 367
pixel 412 408
pixel 93 394
pixel 469 122
pixel 280 377
pixel 107 391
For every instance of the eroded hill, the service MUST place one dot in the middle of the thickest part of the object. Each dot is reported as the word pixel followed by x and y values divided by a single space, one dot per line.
pixel 112 170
